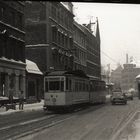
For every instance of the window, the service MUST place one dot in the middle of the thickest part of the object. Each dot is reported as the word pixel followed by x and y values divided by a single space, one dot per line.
pixel 3 45
pixel 2 13
pixel 54 32
pixel 20 21
pixel 12 18
pixel 54 85
pixel 66 83
pixel 62 85
pixel 70 84
pixel 54 11
pixel 58 15
pixel 46 86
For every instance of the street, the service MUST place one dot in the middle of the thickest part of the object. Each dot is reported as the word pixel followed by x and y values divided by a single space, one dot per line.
pixel 97 122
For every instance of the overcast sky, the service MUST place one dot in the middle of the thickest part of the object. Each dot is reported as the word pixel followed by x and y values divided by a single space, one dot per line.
pixel 119 29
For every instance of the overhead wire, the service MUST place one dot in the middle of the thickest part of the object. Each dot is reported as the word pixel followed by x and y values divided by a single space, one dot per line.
pixel 109 57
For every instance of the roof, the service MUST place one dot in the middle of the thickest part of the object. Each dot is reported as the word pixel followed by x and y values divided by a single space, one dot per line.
pixel 78 73
pixel 56 73
pixel 31 67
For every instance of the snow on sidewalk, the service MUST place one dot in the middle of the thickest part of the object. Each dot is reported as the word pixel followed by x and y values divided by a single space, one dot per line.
pixel 27 107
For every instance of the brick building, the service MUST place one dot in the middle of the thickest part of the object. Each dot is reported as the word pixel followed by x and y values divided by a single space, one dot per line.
pixel 93 50
pixel 116 77
pixel 80 49
pixel 54 41
pixel 12 49
pixel 129 73
pixel 49 28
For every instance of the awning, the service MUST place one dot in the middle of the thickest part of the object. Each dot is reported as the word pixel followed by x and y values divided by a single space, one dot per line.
pixel 138 76
pixel 31 67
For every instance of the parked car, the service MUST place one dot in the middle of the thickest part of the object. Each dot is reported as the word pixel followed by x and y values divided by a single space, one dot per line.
pixel 129 95
pixel 118 97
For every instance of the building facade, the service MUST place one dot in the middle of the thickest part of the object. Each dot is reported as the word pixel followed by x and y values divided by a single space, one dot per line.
pixel 93 50
pixel 34 82
pixel 52 22
pixel 80 50
pixel 12 49
pixel 116 77
pixel 129 73
pixel 63 43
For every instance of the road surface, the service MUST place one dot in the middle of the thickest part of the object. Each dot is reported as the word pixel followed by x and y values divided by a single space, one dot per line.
pixel 100 122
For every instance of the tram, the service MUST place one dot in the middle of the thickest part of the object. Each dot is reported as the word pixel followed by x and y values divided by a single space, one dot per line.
pixel 97 91
pixel 68 89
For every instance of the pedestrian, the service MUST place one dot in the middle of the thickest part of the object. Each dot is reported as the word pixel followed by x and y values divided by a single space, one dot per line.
pixel 21 100
pixel 11 97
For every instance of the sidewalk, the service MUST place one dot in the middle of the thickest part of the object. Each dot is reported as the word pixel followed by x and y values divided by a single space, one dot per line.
pixel 27 107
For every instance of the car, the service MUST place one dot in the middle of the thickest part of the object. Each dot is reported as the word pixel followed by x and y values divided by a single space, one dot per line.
pixel 118 98
pixel 129 95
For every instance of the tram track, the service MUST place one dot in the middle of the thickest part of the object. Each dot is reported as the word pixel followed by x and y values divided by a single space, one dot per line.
pixel 25 123
pixel 24 126
pixel 40 128
pixel 28 127
pixel 33 126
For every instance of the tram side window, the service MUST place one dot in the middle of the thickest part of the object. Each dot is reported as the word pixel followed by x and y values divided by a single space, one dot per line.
pixel 80 86
pixel 70 88
pixel 76 86
pixel 66 83
pixel 46 86
pixel 54 85
pixel 84 86
pixel 62 85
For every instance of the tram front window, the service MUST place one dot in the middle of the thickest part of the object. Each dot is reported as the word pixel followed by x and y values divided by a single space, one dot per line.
pixel 54 85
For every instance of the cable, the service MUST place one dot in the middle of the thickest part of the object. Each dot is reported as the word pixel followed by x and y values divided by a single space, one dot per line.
pixel 109 57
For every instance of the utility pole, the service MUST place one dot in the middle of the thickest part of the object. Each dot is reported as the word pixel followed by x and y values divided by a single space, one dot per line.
pixel 108 73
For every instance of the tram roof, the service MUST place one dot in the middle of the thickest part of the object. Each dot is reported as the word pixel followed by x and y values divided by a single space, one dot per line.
pixel 78 73
pixel 56 73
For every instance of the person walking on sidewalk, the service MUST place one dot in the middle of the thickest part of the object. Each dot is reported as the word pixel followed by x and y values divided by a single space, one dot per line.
pixel 10 97
pixel 21 100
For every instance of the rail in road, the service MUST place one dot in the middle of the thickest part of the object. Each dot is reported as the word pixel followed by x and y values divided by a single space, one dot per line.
pixel 102 119
pixel 13 131
pixel 24 128
pixel 124 132
pixel 100 124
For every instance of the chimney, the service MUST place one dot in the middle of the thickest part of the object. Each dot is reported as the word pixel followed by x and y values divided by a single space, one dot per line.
pixel 126 58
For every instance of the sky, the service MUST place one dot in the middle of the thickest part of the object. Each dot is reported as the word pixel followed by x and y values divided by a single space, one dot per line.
pixel 119 26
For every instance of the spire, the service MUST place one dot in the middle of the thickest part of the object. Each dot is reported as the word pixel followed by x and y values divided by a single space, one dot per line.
pixel 97 32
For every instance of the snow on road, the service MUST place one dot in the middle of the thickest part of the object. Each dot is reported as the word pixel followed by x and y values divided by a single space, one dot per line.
pixel 99 124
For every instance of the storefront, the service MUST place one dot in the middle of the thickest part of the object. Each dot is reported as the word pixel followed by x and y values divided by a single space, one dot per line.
pixel 34 82
pixel 12 77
